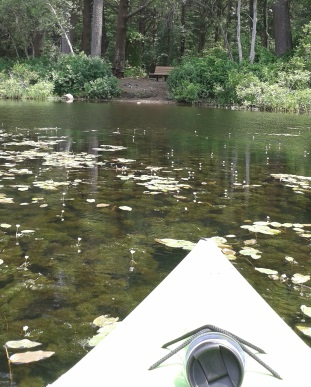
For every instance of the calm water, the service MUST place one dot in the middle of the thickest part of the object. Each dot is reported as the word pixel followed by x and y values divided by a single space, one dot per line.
pixel 66 256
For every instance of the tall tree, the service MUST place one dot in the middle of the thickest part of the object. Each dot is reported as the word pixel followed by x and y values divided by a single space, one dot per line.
pixel 254 29
pixel 60 21
pixel 282 27
pixel 97 26
pixel 265 29
pixel 86 26
pixel 124 15
pixel 238 33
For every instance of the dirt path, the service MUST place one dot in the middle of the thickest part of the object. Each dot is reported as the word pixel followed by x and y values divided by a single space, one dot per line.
pixel 144 90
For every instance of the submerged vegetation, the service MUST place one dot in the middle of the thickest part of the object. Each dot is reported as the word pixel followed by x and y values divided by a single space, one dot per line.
pixel 94 216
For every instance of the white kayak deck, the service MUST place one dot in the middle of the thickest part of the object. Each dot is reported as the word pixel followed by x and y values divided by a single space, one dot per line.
pixel 204 288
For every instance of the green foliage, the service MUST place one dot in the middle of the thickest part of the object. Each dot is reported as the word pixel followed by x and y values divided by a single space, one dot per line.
pixel 102 88
pixel 134 72
pixel 200 79
pixel 70 73
pixel 11 88
pixel 186 91
pixel 42 90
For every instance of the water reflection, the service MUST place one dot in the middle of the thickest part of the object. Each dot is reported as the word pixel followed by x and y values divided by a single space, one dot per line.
pixel 163 171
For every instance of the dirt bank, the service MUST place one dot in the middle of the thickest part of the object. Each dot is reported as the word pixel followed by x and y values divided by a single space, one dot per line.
pixel 144 90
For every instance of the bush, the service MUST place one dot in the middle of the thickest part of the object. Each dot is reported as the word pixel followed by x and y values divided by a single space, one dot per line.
pixel 186 91
pixel 40 91
pixel 134 72
pixel 102 88
pixel 71 73
pixel 11 88
pixel 203 78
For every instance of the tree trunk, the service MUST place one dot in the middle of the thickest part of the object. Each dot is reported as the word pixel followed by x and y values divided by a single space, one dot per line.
pixel 65 48
pixel 97 25
pixel 254 27
pixel 182 43
pixel 37 44
pixel 119 53
pixel 265 32
pixel 281 26
pixel 120 42
pixel 64 32
pixel 202 27
pixel 238 31
pixel 105 40
pixel 86 27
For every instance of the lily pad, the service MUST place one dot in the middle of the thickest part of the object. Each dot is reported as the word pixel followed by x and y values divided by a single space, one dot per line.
pixel 5 225
pixel 251 252
pixel 300 278
pixel 306 310
pixel 176 243
pixel 102 333
pixel 102 205
pixel 29 357
pixel 305 330
pixel 266 271
pixel 261 228
pixel 125 208
pixel 21 344
pixel 219 240
pixel 103 320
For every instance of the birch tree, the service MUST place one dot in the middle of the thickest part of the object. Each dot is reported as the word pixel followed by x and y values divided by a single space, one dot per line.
pixel 253 37
pixel 97 25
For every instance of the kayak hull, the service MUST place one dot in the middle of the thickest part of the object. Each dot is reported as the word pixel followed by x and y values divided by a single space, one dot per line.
pixel 204 288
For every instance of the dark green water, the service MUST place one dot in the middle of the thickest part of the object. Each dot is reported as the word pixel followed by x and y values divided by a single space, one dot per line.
pixel 79 260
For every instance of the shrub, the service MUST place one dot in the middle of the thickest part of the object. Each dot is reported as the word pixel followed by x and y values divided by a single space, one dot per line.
pixel 134 72
pixel 102 88
pixel 40 91
pixel 71 73
pixel 186 91
pixel 202 77
pixel 11 88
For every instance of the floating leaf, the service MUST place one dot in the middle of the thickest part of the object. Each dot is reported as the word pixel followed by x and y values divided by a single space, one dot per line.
pixel 300 278
pixel 250 242
pixel 103 332
pixel 103 320
pixel 29 357
pixel 27 231
pixel 219 240
pixel 125 208
pixel 290 260
pixel 106 324
pixel 5 225
pixel 305 330
pixel 276 224
pixel 90 200
pixel 261 228
pixel 1 261
pixel 102 205
pixel 266 271
pixel 176 243
pixel 21 344
pixel 251 252
pixel 306 310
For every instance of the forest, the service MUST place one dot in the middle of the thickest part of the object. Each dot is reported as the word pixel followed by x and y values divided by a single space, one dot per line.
pixel 254 53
